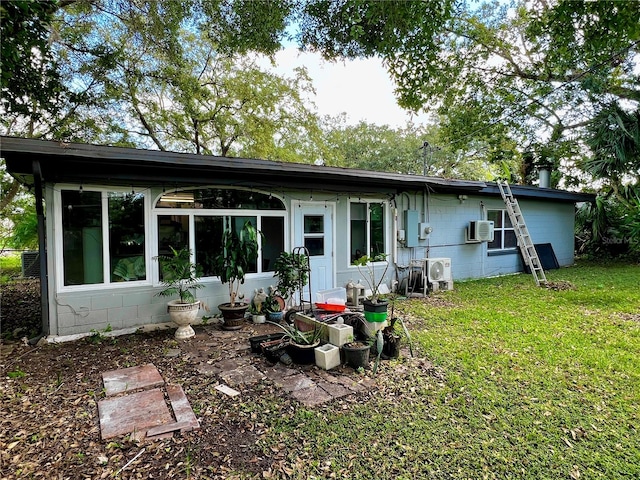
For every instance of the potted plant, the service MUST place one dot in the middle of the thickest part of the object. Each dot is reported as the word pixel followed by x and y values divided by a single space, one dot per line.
pixel 239 252
pixel 292 270
pixel 301 344
pixel 356 353
pixel 375 309
pixel 180 277
pixel 273 307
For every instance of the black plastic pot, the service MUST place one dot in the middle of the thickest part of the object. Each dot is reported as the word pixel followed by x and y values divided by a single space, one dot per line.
pixel 302 354
pixel 375 312
pixel 258 339
pixel 233 316
pixel 356 354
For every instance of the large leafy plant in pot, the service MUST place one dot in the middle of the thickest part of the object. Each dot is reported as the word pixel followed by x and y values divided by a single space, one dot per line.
pixel 239 253
pixel 181 277
pixel 292 270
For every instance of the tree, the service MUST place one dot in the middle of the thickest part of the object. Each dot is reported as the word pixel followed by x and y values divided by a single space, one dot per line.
pixel 614 138
pixel 29 80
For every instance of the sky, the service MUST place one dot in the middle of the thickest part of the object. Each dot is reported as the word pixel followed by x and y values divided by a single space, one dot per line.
pixel 360 88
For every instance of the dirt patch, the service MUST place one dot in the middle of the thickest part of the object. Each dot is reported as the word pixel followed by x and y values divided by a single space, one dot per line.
pixel 633 317
pixel 20 309
pixel 560 285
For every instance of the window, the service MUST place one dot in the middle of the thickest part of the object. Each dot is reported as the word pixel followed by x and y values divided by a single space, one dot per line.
pixel 209 211
pixel 314 234
pixel 504 236
pixel 367 229
pixel 86 216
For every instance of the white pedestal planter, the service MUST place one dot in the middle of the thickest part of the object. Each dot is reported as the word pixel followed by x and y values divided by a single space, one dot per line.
pixel 327 356
pixel 339 334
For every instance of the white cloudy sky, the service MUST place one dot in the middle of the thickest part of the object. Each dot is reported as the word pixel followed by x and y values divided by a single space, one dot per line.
pixel 359 88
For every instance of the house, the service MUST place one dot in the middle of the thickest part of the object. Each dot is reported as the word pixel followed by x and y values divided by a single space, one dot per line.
pixel 106 212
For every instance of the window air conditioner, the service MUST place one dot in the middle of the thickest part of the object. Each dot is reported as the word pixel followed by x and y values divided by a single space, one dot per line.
pixel 480 231
pixel 439 269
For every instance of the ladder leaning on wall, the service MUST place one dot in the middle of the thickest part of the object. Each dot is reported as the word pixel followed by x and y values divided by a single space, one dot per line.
pixel 528 249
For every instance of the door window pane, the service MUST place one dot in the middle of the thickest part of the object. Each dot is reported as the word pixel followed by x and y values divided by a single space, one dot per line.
pixel 314 234
pixel 313 224
pixel 314 245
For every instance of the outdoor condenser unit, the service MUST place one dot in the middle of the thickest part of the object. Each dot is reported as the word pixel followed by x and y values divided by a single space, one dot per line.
pixel 480 231
pixel 439 269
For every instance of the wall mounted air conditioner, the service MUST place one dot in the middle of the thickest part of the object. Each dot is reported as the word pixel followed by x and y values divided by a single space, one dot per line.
pixel 480 231
pixel 439 269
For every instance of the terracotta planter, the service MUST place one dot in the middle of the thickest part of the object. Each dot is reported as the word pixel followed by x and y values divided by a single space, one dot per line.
pixel 233 316
pixel 183 315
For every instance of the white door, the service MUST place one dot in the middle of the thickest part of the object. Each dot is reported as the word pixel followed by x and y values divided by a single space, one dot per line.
pixel 313 229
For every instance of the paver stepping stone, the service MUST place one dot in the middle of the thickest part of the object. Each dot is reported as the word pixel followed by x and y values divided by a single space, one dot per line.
pixel 132 378
pixel 135 412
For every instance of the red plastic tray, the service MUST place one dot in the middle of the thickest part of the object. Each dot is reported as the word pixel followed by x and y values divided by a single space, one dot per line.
pixel 330 307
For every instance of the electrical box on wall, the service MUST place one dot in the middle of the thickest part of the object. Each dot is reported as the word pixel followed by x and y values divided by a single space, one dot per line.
pixel 424 230
pixel 411 228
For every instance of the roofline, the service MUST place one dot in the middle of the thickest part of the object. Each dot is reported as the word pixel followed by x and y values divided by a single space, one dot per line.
pixel 67 162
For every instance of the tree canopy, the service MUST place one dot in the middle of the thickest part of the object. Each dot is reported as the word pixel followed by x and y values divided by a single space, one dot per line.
pixel 516 84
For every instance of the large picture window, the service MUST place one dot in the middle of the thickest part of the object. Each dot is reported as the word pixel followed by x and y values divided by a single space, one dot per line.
pixel 504 237
pixel 209 211
pixel 86 216
pixel 366 229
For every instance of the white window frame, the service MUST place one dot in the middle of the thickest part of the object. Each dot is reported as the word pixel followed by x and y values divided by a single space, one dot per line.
pixel 368 201
pixel 106 273
pixel 500 231
pixel 226 212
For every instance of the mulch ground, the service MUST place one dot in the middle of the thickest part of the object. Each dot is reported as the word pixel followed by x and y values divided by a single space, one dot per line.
pixel 49 422
pixel 50 428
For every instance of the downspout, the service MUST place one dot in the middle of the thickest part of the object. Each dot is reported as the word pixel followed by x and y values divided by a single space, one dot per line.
pixel 42 253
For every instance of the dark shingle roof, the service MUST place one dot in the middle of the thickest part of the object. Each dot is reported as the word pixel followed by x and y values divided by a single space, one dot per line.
pixel 84 163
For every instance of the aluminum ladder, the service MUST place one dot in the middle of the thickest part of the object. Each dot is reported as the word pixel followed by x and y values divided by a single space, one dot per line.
pixel 528 249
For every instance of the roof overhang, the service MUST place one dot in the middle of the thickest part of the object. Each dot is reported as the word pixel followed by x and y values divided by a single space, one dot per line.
pixel 62 162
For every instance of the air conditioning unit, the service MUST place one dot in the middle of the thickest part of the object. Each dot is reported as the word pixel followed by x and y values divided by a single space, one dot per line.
pixel 439 269
pixel 31 264
pixel 480 231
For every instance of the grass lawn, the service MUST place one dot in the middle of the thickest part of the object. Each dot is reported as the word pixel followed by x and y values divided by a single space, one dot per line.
pixel 518 381
pixel 10 266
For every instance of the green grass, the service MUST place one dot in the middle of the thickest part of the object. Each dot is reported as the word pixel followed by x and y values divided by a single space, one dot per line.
pixel 513 381
pixel 10 267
